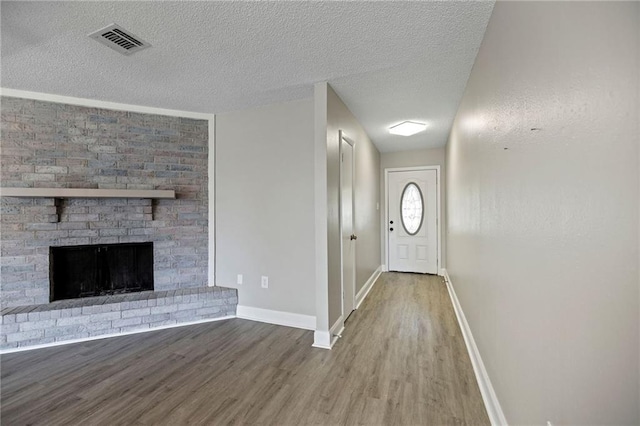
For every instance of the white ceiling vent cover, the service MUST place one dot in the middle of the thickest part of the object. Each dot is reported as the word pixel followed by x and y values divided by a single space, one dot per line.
pixel 119 39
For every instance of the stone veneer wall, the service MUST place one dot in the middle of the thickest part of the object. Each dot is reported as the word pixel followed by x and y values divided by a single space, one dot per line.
pixel 47 145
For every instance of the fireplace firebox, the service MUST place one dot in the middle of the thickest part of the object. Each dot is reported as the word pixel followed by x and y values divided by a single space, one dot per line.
pixel 99 270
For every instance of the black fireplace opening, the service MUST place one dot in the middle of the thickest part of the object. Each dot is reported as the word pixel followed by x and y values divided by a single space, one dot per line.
pixel 99 270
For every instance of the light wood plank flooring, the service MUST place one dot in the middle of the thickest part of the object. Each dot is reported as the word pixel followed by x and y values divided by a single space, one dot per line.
pixel 401 360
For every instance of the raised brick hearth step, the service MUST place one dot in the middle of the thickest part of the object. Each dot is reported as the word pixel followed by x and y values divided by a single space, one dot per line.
pixel 94 316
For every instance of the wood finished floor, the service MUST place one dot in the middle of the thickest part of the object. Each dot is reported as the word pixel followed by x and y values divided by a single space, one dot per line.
pixel 402 360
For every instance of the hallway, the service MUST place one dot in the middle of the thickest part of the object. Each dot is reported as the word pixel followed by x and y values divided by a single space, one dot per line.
pixel 402 360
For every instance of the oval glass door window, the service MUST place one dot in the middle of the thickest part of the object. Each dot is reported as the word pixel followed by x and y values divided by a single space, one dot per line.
pixel 411 208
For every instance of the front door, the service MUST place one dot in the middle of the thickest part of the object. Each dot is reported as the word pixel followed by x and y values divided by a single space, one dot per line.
pixel 412 221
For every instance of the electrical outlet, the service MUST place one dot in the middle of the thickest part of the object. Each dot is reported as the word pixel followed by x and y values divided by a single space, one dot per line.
pixel 239 280
pixel 265 282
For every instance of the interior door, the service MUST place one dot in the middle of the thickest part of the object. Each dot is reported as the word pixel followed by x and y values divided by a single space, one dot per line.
pixel 412 221
pixel 347 225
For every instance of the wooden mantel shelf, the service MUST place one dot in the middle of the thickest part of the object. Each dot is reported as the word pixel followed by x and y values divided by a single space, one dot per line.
pixel 86 193
pixel 61 193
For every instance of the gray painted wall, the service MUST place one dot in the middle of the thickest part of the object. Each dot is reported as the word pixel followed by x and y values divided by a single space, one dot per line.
pixel 265 211
pixel 543 224
pixel 368 205
pixel 367 216
pixel 320 204
pixel 418 157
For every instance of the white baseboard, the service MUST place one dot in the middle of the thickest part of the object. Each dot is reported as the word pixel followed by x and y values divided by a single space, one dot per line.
pixel 326 339
pixel 106 336
pixel 337 328
pixel 491 403
pixel 441 272
pixel 384 268
pixel 364 291
pixel 321 339
pixel 288 319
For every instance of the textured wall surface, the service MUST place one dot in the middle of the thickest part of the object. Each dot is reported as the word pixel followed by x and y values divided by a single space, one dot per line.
pixel 543 210
pixel 264 193
pixel 51 145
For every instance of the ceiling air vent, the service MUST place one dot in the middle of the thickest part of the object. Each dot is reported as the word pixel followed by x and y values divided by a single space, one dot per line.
pixel 119 39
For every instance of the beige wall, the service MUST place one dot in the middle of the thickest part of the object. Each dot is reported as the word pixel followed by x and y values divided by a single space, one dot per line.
pixel 419 157
pixel 543 224
pixel 265 205
pixel 367 216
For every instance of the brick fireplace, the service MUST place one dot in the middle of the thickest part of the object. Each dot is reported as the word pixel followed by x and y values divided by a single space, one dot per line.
pixel 53 145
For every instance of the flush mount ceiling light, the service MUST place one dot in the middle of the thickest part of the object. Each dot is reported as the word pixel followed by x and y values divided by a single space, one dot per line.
pixel 407 128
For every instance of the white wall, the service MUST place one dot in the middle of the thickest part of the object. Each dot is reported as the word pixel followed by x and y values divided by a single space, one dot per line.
pixel 265 205
pixel 367 196
pixel 412 158
pixel 543 224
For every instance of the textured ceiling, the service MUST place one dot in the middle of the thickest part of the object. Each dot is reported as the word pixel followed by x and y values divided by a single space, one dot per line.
pixel 389 61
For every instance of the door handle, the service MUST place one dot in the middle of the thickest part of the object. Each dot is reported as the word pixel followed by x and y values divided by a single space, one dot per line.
pixel 353 237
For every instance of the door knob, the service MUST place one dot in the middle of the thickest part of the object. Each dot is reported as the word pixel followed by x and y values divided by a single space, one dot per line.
pixel 353 237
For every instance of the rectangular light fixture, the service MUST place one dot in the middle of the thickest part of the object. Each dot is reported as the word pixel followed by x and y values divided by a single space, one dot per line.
pixel 407 128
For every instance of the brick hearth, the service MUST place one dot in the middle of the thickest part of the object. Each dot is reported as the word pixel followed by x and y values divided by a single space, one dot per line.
pixel 98 316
